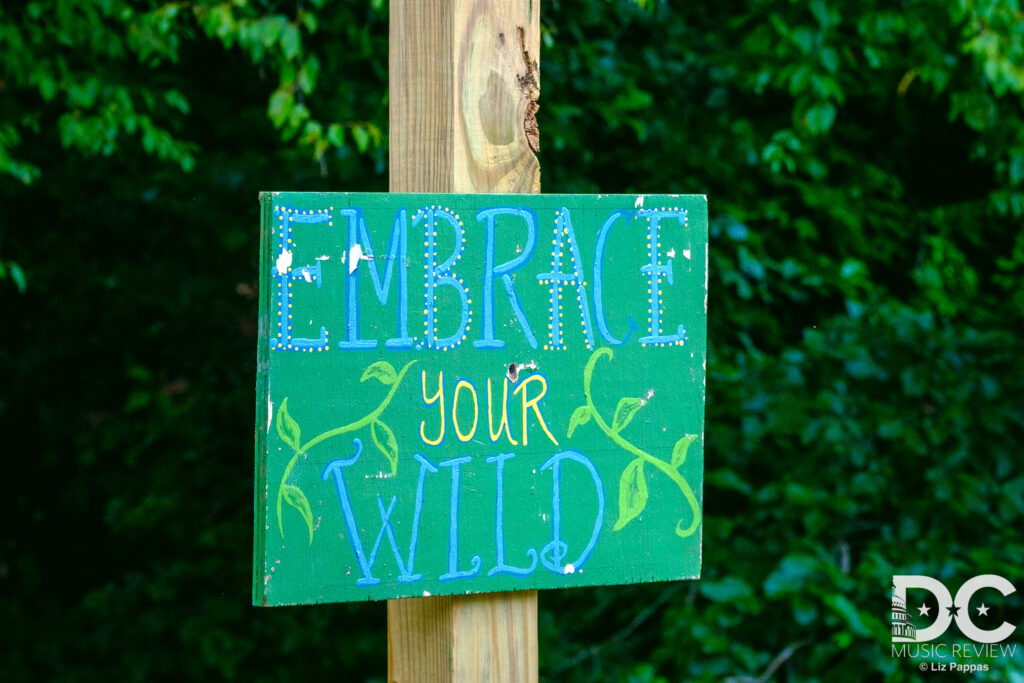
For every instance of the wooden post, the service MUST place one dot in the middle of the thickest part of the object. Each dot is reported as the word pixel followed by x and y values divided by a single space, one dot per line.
pixel 464 83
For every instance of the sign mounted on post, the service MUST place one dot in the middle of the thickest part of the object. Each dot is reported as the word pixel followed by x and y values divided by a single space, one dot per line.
pixel 475 393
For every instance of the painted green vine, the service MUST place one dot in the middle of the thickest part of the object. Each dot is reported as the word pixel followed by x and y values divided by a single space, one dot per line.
pixel 382 436
pixel 632 483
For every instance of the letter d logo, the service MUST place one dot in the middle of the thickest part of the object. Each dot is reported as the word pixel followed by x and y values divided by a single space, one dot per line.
pixel 943 619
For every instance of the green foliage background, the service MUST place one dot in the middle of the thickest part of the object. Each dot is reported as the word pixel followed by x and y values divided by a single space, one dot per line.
pixel 865 167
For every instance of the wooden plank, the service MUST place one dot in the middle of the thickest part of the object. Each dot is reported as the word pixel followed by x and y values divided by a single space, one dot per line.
pixel 463 638
pixel 422 119
pixel 495 637
pixel 464 89
pixel 462 107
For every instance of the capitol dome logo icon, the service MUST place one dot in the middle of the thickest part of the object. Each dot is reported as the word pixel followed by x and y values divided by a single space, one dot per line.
pixel 902 627
pixel 947 609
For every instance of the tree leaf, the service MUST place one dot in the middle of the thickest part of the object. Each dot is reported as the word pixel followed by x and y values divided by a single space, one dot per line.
pixel 381 370
pixel 842 606
pixel 385 441
pixel 279 107
pixel 681 447
pixel 791 576
pixel 820 117
pixel 580 416
pixel 729 590
pixel 291 41
pixel 624 412
pixel 632 493
pixel 361 137
pixel 287 427
pixel 294 496
pixel 18 277
pixel 336 135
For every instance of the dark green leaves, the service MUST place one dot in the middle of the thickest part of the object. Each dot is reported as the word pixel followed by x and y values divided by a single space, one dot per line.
pixel 294 496
pixel 632 493
pixel 361 137
pixel 818 117
pixel 892 171
pixel 287 427
pixel 16 274
pixel 382 371
pixel 791 575
pixel 729 590
pixel 279 106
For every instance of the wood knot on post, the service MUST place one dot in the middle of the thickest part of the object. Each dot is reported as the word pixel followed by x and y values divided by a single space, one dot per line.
pixel 529 86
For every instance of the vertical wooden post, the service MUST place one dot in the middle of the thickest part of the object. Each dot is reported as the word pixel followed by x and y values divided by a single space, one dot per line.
pixel 464 82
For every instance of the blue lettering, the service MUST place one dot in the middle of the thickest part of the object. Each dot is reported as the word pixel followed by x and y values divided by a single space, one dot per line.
pixel 564 239
pixel 453 528
pixel 655 271
pixel 437 275
pixel 397 253
pixel 335 468
pixel 602 324
pixel 286 275
pixel 505 270
pixel 553 553
pixel 499 525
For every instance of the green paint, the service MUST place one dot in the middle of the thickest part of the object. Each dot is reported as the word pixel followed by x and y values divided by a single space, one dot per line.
pixel 633 485
pixel 288 430
pixel 493 458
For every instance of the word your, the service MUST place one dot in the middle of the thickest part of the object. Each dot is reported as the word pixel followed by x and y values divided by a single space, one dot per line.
pixel 465 391
pixel 566 278
pixel 551 555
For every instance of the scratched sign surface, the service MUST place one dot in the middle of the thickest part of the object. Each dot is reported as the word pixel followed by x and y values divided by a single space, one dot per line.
pixel 471 393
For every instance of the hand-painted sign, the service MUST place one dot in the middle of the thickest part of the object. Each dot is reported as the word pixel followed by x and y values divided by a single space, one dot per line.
pixel 448 401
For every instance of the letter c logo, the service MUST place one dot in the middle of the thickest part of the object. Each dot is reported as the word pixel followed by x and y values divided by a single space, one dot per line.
pixel 963 617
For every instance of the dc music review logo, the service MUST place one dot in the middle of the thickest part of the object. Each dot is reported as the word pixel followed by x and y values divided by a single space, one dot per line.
pixel 949 609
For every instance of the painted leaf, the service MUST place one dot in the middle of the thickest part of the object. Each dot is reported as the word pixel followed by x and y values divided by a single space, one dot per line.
pixel 625 411
pixel 688 530
pixel 632 493
pixel 385 441
pixel 580 416
pixel 681 448
pixel 287 427
pixel 294 496
pixel 381 370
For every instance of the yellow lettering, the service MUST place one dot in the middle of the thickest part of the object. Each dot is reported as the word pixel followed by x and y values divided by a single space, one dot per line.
pixel 455 411
pixel 439 396
pixel 495 435
pixel 532 403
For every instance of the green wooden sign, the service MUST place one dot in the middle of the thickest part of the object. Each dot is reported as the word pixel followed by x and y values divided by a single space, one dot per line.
pixel 471 393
